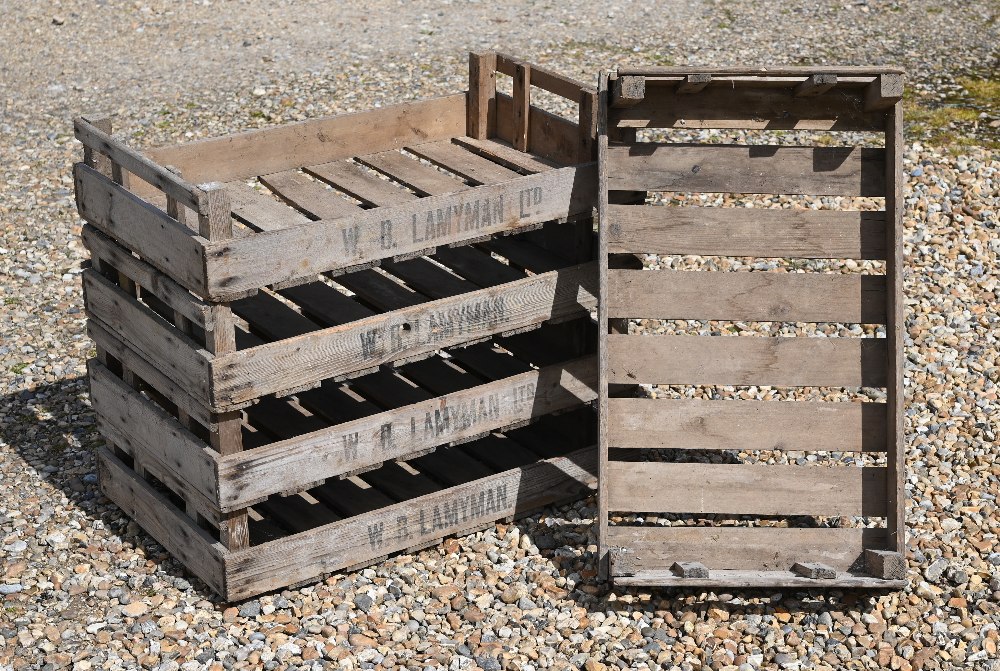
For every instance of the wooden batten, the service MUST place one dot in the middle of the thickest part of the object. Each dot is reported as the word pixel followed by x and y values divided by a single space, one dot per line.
pixel 627 91
pixel 694 83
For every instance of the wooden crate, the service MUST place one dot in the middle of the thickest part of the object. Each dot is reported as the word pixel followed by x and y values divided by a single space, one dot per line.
pixel 354 336
pixel 708 543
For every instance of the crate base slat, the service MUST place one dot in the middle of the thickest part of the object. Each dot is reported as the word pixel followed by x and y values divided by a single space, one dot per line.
pixel 720 579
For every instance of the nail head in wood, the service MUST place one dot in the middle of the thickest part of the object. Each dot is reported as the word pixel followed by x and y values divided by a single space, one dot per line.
pixel 885 564
pixel 814 570
pixel 815 85
pixel 884 92
pixel 689 569
pixel 627 91
pixel 693 83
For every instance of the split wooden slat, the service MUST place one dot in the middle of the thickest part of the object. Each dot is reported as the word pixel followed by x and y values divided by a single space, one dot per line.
pixel 358 183
pixel 462 162
pixel 508 156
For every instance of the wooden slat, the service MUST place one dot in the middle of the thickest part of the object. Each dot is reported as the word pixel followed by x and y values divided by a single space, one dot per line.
pixel 748 360
pixel 158 238
pixel 603 325
pixel 143 429
pixel 626 91
pixel 746 425
pixel 462 162
pixel 545 79
pixel 149 278
pixel 288 146
pixel 693 83
pixel 260 211
pixel 506 155
pixel 394 434
pixel 747 108
pixel 815 85
pixel 174 530
pixel 522 104
pixel 481 108
pixel 783 71
pixel 412 331
pixel 235 266
pixel 424 179
pixel 743 548
pixel 746 296
pixel 430 517
pixel 837 171
pixel 884 93
pixel 719 580
pixel 895 331
pixel 308 195
pixel 358 183
pixel 745 489
pixel 162 345
pixel 725 231
pixel 550 135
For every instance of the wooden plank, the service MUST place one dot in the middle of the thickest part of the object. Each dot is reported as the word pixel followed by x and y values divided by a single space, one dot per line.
pixel 157 283
pixel 308 195
pixel 235 266
pixel 477 266
pixel 260 211
pixel 424 179
pixel 745 489
pixel 288 146
pixel 104 339
pixel 718 580
pixel 547 80
pixel 147 334
pixel 693 83
pixel 430 517
pixel 885 564
pixel 696 424
pixel 748 108
pixel 733 360
pixel 783 71
pixel 395 434
pixel 815 85
pixel 482 95
pixel 431 280
pixel 158 238
pixel 603 325
pixel 746 296
pixel 171 528
pixel 507 156
pixel 813 570
pixel 550 135
pixel 142 428
pixel 324 304
pixel 627 91
pixel 895 361
pixel 743 548
pixel 836 171
pixel 723 231
pixel 462 162
pixel 522 105
pixel 356 182
pixel 884 93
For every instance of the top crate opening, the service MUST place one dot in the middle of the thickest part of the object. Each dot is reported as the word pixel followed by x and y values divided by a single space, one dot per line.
pixel 225 217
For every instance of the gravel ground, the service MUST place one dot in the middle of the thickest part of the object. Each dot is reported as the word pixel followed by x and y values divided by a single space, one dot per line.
pixel 82 587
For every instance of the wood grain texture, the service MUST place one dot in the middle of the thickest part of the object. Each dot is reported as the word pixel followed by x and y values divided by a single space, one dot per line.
pixel 260 211
pixel 401 334
pixel 545 79
pixel 746 296
pixel 734 360
pixel 506 155
pixel 755 579
pixel 285 147
pixel 146 431
pixel 746 425
pixel 295 463
pixel 433 516
pixel 603 235
pixel 235 266
pixel 837 171
pixel 424 179
pixel 308 195
pixel 146 333
pixel 522 103
pixel 549 135
pixel 894 331
pixel 174 530
pixel 462 162
pixel 724 231
pixel 481 106
pixel 782 71
pixel 744 548
pixel 361 184
pixel 747 108
pixel 745 489
pixel 145 229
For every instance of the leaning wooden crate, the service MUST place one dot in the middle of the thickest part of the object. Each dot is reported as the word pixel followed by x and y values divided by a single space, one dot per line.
pixel 738 524
pixel 276 406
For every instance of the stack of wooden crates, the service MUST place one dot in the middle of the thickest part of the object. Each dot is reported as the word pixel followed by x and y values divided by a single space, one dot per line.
pixel 328 341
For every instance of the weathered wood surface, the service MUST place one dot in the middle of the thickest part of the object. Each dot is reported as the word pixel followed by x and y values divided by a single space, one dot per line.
pixel 147 334
pixel 814 570
pixel 603 325
pixel 549 135
pixel 754 579
pixel 815 85
pixel 236 266
pixel 745 489
pixel 361 184
pixel 481 106
pixel 175 531
pixel 330 547
pixel 884 93
pixel 744 548
pixel 746 296
pixel 783 71
pixel 545 79
pixel 693 83
pixel 626 91
pixel 424 179
pixel 423 328
pixel 159 239
pixel 725 231
pixel 506 155
pixel 894 204
pixel 398 433
pixel 308 195
pixel 836 171
pixel 734 360
pixel 463 162
pixel 885 564
pixel 697 424
pixel 270 150
pixel 143 429
pixel 747 108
